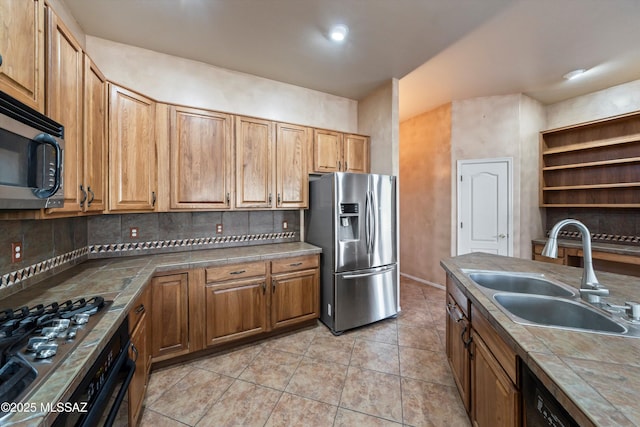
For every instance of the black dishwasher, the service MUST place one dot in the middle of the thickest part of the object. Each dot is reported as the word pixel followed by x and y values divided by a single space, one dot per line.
pixel 541 409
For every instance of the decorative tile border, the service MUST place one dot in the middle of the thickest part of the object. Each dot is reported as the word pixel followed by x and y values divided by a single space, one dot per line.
pixel 139 248
pixel 189 244
pixel 602 237
pixel 23 274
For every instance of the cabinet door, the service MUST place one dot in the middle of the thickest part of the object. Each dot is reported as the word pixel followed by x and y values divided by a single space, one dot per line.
pixel 138 385
pixel 235 310
pixel 64 105
pixel 169 302
pixel 292 179
pixel 95 137
pixel 294 297
pixel 495 398
pixel 132 151
pixel 22 50
pixel 201 159
pixel 457 353
pixel 254 163
pixel 327 151
pixel 356 154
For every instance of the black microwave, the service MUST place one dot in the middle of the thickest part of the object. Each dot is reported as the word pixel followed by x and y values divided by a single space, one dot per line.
pixel 31 157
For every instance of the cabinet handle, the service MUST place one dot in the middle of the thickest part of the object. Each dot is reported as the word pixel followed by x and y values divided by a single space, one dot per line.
pixel 466 343
pixel 345 166
pixel 84 195
pixel 339 165
pixel 269 199
pixel 264 288
pixel 140 309
pixel 273 285
pixel 135 352
pixel 93 196
pixel 454 312
pixel 295 264
pixel 228 199
pixel 278 199
pixel 238 272
pixel 153 199
pixel 0 59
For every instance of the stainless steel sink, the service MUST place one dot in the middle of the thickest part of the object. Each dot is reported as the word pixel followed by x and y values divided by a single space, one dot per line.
pixel 557 312
pixel 522 283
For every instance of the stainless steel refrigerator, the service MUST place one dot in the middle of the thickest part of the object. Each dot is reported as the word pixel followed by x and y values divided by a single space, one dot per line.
pixel 352 217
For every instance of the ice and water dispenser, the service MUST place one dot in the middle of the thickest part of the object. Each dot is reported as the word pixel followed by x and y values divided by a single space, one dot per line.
pixel 348 229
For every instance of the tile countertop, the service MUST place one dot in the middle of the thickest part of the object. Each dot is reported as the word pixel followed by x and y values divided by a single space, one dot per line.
pixel 121 279
pixel 596 377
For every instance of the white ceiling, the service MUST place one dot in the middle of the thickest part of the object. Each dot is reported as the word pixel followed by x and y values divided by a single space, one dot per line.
pixel 441 50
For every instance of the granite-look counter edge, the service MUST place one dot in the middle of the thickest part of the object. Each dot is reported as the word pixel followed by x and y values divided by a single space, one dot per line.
pixel 121 279
pixel 596 377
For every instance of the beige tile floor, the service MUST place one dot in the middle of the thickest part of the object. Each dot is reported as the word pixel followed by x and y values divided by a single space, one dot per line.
pixel 391 373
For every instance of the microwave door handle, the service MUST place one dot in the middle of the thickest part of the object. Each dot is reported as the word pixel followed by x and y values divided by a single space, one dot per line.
pixel 43 193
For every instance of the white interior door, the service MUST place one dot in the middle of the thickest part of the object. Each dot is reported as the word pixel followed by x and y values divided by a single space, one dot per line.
pixel 484 206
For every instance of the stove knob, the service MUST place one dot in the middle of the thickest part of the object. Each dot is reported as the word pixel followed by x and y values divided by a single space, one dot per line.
pixel 72 332
pixel 47 351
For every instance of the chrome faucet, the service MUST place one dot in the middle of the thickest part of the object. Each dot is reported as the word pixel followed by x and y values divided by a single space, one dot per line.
pixel 590 289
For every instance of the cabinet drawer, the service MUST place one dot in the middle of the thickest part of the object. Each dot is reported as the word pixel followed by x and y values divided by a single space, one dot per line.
pixel 537 250
pixel 500 350
pixel 235 271
pixel 141 306
pixel 287 265
pixel 458 296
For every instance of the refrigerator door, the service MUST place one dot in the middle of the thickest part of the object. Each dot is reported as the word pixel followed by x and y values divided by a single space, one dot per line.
pixel 363 297
pixel 384 226
pixel 351 233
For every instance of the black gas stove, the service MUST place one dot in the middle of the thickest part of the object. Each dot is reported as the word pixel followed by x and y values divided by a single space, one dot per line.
pixel 35 340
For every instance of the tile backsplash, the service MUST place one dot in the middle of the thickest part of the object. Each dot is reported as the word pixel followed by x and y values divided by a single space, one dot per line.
pixel 50 246
pixel 607 225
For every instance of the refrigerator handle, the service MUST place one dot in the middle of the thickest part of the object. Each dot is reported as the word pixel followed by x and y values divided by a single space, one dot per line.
pixel 367 220
pixel 370 273
pixel 374 222
pixel 372 217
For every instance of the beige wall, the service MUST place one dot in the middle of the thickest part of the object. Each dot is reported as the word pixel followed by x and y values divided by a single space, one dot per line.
pixel 425 196
pixel 378 117
pixel 502 126
pixel 177 80
pixel 608 102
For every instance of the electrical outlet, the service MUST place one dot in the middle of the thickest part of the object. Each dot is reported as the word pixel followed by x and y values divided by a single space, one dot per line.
pixel 285 225
pixel 134 232
pixel 16 252
pixel 218 228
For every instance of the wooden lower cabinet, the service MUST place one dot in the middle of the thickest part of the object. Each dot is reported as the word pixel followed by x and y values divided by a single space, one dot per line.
pixel 484 367
pixel 235 310
pixel 495 399
pixel 457 330
pixel 204 308
pixel 170 316
pixel 295 297
pixel 140 351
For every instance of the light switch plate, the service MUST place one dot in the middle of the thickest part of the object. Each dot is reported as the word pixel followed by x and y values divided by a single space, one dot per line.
pixel 285 225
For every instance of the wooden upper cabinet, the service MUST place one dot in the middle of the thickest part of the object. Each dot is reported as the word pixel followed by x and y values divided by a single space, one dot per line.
pixel 338 152
pixel 132 151
pixel 201 159
pixel 22 47
pixel 292 179
pixel 356 154
pixel 327 151
pixel 254 163
pixel 64 105
pixel 95 138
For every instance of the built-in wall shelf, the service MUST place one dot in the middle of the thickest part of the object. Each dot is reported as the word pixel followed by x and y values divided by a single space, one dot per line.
pixel 594 164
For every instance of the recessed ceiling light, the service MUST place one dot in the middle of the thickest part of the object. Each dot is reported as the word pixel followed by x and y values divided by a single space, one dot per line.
pixel 339 33
pixel 573 74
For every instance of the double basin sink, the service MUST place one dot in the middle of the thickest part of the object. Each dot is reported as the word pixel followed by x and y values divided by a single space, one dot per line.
pixel 531 299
